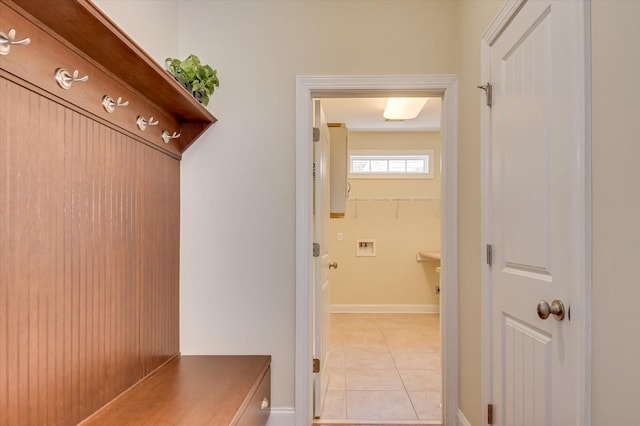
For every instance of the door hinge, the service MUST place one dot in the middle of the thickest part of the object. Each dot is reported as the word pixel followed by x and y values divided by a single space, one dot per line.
pixel 489 254
pixel 490 414
pixel 316 134
pixel 316 365
pixel 316 249
pixel 488 90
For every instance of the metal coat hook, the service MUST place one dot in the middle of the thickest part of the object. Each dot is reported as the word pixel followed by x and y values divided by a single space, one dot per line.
pixel 110 105
pixel 65 79
pixel 142 123
pixel 166 136
pixel 9 39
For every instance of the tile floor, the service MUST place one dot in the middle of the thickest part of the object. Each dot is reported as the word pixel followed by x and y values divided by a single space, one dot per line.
pixel 384 367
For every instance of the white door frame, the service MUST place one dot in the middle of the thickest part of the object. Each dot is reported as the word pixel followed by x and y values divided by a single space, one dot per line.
pixel 308 87
pixel 581 291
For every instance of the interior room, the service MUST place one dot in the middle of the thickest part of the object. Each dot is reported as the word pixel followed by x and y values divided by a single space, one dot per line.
pixel 385 241
pixel 146 237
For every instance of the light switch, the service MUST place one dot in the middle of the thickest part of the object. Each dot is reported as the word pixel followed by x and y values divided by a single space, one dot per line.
pixel 340 236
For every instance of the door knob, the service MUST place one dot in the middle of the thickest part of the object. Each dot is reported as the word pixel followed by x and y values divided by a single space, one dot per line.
pixel 556 309
pixel 333 265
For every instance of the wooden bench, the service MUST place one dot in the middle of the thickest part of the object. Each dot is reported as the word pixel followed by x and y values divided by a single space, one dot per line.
pixel 195 390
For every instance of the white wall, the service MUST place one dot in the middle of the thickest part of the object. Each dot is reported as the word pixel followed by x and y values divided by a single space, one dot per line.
pixel 238 181
pixel 616 209
pixel 152 24
pixel 401 229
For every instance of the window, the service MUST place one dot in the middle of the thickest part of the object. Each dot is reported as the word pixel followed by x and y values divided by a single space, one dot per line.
pixel 391 164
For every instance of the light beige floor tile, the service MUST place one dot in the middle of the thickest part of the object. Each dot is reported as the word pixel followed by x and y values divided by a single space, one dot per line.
pixel 337 339
pixel 427 404
pixel 354 321
pixel 337 379
pixel 434 347
pixel 335 405
pixel 373 345
pixel 379 405
pixel 351 339
pixel 416 335
pixel 416 360
pixel 359 379
pixel 408 323
pixel 421 379
pixel 374 335
pixel 412 343
pixel 373 357
pixel 365 359
pixel 336 359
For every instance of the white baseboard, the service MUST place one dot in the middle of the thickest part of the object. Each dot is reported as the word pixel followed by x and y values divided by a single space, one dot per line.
pixel 385 309
pixel 282 416
pixel 462 420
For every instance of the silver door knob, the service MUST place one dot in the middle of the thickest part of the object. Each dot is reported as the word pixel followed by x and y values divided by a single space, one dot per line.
pixel 556 309
pixel 333 265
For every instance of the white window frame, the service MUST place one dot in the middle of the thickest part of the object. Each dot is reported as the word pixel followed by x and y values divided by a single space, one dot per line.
pixel 429 153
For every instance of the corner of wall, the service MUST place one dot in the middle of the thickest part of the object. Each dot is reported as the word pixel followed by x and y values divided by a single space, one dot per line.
pixel 157 34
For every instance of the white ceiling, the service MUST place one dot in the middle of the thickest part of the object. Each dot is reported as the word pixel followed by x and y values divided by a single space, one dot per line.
pixel 365 114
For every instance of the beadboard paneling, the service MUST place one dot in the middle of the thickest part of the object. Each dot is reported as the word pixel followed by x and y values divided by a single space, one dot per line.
pixel 89 251
pixel 32 285
pixel 160 262
pixel 101 224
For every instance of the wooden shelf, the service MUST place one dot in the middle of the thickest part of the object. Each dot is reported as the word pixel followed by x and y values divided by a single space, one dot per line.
pixel 83 27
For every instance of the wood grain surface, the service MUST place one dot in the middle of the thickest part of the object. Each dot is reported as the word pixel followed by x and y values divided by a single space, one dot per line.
pixel 89 246
pixel 193 391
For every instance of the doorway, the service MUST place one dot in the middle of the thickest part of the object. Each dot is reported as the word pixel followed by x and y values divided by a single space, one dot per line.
pixel 384 239
pixel 361 86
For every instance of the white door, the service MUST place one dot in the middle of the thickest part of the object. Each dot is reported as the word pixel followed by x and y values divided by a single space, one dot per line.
pixel 322 289
pixel 536 209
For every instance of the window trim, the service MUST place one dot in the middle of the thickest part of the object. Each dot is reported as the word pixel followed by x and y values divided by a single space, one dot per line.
pixel 429 153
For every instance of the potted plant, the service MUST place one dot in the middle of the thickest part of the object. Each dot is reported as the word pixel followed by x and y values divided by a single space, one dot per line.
pixel 200 80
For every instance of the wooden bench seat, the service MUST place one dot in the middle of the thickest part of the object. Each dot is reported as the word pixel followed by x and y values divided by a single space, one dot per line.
pixel 195 390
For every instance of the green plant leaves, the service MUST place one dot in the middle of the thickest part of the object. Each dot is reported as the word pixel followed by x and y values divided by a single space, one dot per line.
pixel 199 79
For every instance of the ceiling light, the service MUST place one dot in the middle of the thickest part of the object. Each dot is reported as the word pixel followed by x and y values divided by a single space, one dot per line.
pixel 404 108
